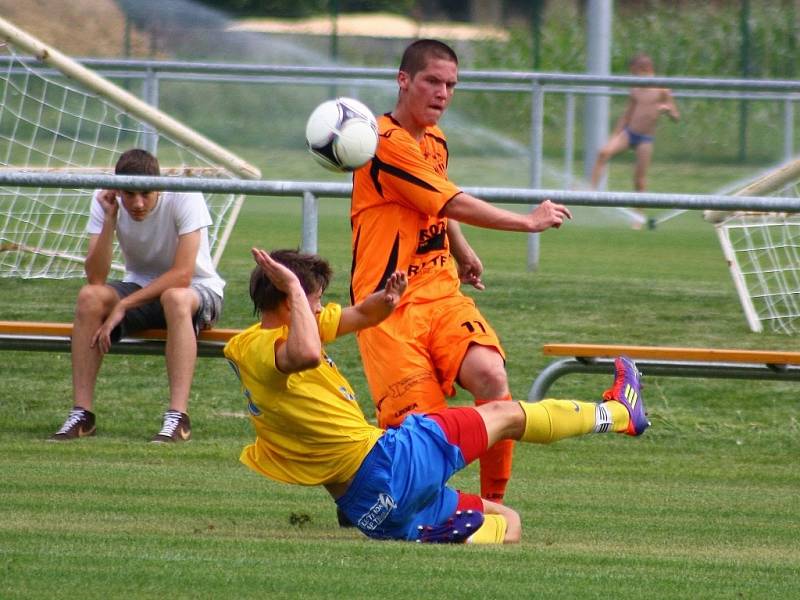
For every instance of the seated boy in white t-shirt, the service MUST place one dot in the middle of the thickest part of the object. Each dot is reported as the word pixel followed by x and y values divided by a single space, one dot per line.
pixel 170 282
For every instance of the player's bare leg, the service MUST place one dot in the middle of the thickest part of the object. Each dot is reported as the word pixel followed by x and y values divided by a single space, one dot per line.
pixel 180 304
pixel 94 304
pixel 644 153
pixel 619 142
pixel 483 374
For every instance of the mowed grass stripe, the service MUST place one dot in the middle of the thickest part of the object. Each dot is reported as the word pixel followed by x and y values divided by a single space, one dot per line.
pixel 704 505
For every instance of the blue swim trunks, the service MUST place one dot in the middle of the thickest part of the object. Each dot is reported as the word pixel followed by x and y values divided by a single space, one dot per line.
pixel 402 482
pixel 634 139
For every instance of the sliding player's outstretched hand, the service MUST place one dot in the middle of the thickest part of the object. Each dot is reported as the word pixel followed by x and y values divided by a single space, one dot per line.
pixel 394 288
pixel 549 214
pixel 280 276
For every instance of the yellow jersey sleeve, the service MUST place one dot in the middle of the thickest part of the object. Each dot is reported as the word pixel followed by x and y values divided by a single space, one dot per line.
pixel 260 350
pixel 328 322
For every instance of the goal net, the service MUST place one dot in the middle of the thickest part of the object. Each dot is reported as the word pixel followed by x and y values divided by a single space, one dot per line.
pixel 56 115
pixel 763 253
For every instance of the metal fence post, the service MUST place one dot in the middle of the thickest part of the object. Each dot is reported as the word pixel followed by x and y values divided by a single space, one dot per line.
pixel 150 95
pixel 569 140
pixel 788 129
pixel 537 133
pixel 310 220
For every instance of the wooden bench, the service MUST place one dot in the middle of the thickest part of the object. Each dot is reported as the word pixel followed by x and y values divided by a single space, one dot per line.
pixel 667 361
pixel 55 337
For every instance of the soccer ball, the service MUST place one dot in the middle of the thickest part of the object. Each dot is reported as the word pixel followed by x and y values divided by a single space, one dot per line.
pixel 342 134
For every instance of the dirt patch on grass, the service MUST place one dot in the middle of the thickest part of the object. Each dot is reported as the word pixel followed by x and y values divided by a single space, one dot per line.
pixel 76 28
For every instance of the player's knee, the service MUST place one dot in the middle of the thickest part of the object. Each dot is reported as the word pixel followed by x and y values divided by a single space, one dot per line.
pixel 94 299
pixel 500 409
pixel 604 155
pixel 512 524
pixel 489 381
pixel 504 420
pixel 178 303
pixel 514 527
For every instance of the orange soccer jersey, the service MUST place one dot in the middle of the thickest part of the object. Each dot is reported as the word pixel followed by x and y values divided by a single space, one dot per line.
pixel 412 358
pixel 397 198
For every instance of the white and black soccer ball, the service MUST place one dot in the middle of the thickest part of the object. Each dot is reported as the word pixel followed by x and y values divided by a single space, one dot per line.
pixel 342 134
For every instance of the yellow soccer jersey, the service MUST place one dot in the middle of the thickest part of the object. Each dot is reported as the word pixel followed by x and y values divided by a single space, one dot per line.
pixel 310 429
pixel 396 219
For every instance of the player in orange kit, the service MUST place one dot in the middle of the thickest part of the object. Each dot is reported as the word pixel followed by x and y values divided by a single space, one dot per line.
pixel 405 213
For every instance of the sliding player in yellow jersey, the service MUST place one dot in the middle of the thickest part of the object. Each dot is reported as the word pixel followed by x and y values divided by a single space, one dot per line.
pixel 404 215
pixel 390 483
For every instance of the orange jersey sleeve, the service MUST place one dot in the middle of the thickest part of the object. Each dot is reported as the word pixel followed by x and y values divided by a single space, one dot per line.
pixel 397 198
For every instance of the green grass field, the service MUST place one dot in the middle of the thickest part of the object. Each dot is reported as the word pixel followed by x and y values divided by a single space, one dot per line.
pixel 705 505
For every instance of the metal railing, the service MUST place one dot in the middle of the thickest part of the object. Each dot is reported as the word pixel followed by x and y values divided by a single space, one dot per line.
pixel 152 72
pixel 311 191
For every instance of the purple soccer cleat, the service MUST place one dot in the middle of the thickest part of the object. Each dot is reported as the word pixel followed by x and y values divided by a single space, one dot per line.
pixel 455 530
pixel 627 389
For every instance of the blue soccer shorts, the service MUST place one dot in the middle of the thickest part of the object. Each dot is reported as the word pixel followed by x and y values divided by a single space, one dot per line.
pixel 402 483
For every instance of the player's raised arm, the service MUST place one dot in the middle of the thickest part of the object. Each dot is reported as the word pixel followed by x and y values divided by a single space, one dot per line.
pixel 474 211
pixel 303 348
pixel 669 106
pixel 101 246
pixel 375 307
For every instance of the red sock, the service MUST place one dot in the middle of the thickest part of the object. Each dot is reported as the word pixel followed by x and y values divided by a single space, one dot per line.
pixel 495 464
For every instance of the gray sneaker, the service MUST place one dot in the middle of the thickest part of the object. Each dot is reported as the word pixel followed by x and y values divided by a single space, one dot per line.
pixel 79 423
pixel 176 428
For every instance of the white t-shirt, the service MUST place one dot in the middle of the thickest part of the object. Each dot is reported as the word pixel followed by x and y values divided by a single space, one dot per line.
pixel 149 246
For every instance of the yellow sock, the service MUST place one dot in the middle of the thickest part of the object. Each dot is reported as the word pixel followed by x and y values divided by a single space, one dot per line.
pixel 493 531
pixel 552 420
pixel 619 415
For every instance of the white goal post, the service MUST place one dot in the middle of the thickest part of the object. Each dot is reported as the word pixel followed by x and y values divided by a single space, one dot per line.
pixel 763 253
pixel 78 121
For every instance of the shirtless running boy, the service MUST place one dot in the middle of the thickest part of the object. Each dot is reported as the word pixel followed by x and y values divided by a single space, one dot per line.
pixel 636 128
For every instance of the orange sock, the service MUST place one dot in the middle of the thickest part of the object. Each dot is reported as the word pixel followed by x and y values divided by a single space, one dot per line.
pixel 495 464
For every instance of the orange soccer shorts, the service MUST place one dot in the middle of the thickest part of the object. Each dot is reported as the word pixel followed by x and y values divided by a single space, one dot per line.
pixel 412 359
